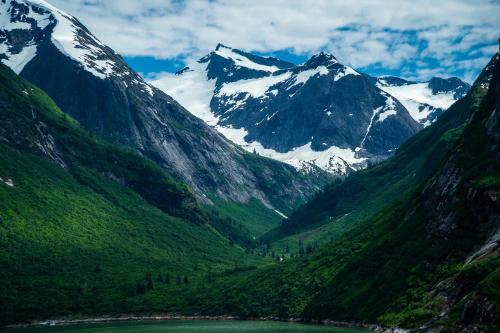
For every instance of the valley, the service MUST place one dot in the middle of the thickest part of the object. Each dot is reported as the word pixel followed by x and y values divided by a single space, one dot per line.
pixel 243 186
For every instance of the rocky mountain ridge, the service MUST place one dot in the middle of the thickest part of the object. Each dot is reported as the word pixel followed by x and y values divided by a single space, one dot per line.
pixel 320 113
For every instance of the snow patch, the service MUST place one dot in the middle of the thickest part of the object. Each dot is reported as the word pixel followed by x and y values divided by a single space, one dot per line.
pixel 65 37
pixel 192 89
pixel 17 61
pixel 255 87
pixel 375 113
pixel 7 181
pixel 344 72
pixel 271 116
pixel 304 76
pixel 333 159
pixel 281 214
pixel 382 112
pixel 242 61
pixel 148 89
pixel 417 98
pixel 383 116
pixel 389 109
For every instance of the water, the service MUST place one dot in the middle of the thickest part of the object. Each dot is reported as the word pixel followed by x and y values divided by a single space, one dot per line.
pixel 181 326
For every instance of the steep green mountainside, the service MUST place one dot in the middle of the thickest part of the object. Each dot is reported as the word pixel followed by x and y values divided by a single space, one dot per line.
pixel 348 202
pixel 115 103
pixel 32 122
pixel 87 227
pixel 421 250
pixel 42 128
pixel 427 257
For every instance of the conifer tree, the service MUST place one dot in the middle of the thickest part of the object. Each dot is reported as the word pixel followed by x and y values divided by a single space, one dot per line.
pixel 140 288
pixel 149 280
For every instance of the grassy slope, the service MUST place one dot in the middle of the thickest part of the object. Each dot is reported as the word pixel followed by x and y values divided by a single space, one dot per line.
pixel 386 268
pixel 253 219
pixel 80 239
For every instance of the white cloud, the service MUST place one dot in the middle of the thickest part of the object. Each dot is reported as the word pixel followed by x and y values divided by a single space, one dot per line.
pixel 387 33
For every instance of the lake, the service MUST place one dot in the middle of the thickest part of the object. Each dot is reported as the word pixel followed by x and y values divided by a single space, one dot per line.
pixel 191 326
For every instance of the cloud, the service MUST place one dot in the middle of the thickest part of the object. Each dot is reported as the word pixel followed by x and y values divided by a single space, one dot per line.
pixel 364 33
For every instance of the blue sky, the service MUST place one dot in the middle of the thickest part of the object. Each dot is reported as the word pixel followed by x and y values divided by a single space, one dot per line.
pixel 412 39
pixel 147 66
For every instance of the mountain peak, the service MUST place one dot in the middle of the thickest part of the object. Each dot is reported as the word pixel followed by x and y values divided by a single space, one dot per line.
pixel 37 19
pixel 451 80
pixel 452 84
pixel 325 55
pixel 250 60
pixel 222 46
pixel 227 64
pixel 322 58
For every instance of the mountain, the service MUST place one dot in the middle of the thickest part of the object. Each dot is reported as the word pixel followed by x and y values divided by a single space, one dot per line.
pixel 226 65
pixel 86 226
pixel 320 113
pixel 425 101
pixel 92 83
pixel 442 237
pixel 425 258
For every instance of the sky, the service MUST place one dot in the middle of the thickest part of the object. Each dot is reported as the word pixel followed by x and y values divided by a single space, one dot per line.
pixel 412 39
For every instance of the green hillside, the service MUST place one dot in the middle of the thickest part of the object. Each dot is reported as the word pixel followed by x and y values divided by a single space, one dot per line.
pixel 421 257
pixel 87 227
pixel 421 245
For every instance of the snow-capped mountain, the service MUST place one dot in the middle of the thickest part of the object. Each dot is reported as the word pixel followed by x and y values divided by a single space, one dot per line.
pixel 229 65
pixel 320 113
pixel 89 81
pixel 26 23
pixel 425 100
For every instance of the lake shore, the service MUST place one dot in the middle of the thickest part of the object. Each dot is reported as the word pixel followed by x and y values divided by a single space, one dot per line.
pixel 153 317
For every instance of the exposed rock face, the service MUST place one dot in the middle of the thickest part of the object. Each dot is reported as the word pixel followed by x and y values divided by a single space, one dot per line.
pixel 320 113
pixel 458 197
pixel 322 103
pixel 451 85
pixel 452 185
pixel 92 83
